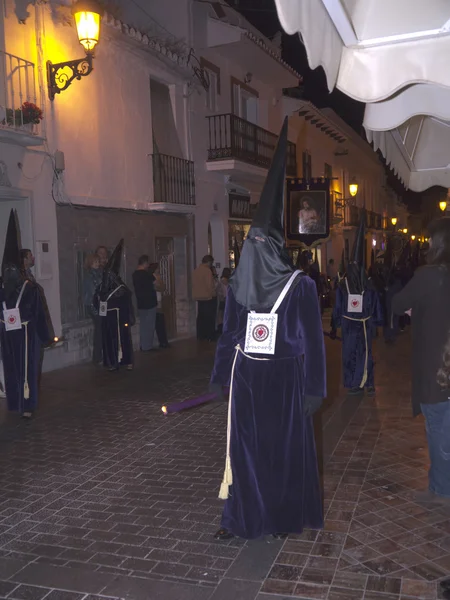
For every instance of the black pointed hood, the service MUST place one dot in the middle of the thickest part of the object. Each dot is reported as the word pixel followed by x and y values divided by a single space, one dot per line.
pixel 264 265
pixel 269 216
pixel 11 253
pixel 111 273
pixel 12 271
pixel 115 260
pixel 356 269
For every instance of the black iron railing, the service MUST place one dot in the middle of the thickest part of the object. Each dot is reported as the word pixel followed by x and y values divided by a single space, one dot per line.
pixel 173 180
pixel 233 137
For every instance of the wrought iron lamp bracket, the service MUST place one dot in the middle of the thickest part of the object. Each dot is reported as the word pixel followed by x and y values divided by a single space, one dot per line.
pixel 56 74
pixel 345 202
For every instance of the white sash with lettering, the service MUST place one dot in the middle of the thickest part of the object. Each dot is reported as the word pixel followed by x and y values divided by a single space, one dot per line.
pixel 11 316
pixel 103 306
pixel 355 301
pixel 261 335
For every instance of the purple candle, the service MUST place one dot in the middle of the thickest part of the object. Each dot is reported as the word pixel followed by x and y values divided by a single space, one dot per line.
pixel 188 403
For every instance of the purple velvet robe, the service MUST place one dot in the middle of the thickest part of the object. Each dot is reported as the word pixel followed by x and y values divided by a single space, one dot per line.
pixel 353 338
pixel 273 454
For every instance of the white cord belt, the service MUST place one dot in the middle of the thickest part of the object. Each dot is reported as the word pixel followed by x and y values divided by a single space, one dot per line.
pixel 228 473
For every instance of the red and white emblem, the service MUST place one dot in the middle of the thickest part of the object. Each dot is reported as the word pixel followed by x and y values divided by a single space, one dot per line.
pixel 260 333
pixel 355 303
pixel 12 320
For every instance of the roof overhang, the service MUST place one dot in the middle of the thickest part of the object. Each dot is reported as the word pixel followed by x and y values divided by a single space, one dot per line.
pixel 243 47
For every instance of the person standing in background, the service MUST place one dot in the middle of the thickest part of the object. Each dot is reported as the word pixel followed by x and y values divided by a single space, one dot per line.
pixel 204 292
pixel 331 270
pixel 91 282
pixel 103 255
pixel 28 262
pixel 222 289
pixel 143 282
pixel 160 325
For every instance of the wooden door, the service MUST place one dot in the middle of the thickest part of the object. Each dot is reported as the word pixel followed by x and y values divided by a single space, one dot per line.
pixel 165 257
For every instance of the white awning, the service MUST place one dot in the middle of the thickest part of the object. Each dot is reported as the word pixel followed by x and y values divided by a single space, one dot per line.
pixel 418 151
pixel 393 56
pixel 370 49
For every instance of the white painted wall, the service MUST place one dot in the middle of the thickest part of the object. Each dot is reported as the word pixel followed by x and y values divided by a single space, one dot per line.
pixel 101 123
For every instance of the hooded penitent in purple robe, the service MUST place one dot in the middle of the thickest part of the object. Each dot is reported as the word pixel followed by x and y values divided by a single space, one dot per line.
pixel 271 480
pixel 21 348
pixel 358 328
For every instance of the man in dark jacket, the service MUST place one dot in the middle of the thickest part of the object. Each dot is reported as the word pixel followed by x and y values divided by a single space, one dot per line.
pixel 425 297
pixel 147 302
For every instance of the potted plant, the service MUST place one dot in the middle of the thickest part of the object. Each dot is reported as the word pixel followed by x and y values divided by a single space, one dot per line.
pixel 28 114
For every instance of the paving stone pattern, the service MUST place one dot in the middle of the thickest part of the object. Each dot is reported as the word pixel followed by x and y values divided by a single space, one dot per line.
pixel 104 497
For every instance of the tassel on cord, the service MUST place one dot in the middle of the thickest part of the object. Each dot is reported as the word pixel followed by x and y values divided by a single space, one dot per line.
pixel 228 474
pixel 26 391
pixel 227 480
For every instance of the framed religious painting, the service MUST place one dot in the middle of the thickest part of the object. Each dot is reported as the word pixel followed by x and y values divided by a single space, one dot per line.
pixel 307 211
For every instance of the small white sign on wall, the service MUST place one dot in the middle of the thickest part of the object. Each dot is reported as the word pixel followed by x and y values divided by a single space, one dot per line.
pixel 44 267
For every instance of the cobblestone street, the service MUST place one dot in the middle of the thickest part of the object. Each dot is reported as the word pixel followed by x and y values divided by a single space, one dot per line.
pixel 102 496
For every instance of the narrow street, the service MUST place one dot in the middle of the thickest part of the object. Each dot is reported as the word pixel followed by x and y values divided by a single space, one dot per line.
pixel 103 496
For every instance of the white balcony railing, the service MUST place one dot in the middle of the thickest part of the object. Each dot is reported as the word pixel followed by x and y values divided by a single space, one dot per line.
pixel 19 110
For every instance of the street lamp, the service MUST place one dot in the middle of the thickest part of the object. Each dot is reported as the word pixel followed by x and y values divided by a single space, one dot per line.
pixel 394 221
pixel 443 205
pixel 413 237
pixel 87 15
pixel 353 188
pixel 405 230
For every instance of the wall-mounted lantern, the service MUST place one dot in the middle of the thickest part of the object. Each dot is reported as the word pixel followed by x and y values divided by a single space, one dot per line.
pixel 413 237
pixel 353 188
pixel 443 205
pixel 87 15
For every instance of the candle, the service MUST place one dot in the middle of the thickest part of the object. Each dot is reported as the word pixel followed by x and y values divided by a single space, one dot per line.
pixel 188 403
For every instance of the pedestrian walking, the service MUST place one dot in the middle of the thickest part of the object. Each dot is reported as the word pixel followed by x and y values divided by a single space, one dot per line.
pixel 91 282
pixel 275 360
pixel 204 292
pixel 144 289
pixel 426 297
